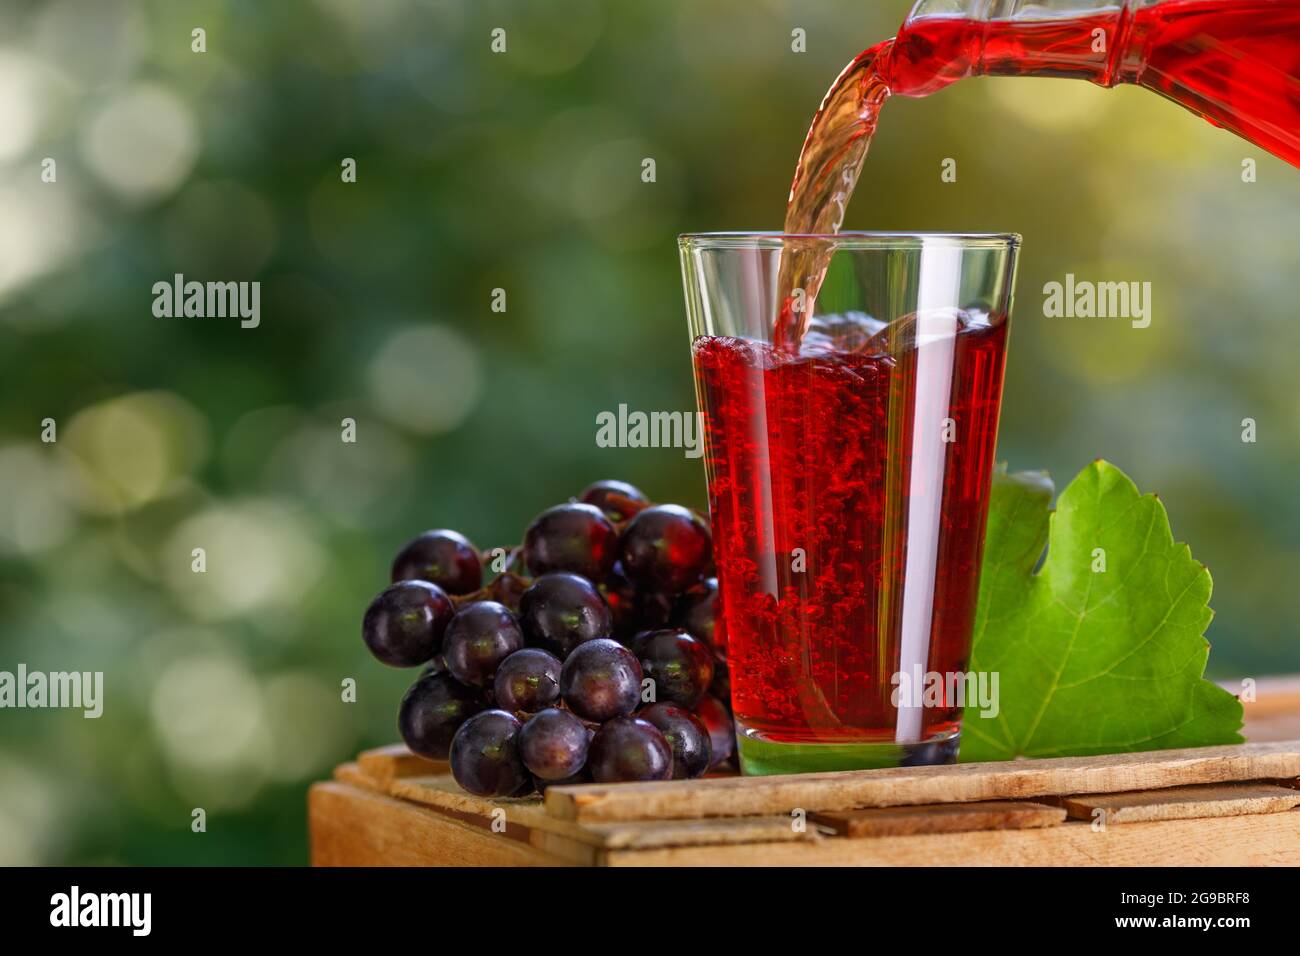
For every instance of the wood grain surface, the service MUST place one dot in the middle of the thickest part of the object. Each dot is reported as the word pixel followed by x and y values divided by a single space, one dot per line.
pixel 961 783
pixel 941 818
pixel 1181 803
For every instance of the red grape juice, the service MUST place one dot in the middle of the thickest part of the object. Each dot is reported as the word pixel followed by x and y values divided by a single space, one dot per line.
pixel 811 488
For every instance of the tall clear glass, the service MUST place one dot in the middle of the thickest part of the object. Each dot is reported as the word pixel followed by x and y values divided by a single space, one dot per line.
pixel 849 477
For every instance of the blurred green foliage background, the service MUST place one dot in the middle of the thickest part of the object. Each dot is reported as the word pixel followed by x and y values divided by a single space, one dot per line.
pixel 519 171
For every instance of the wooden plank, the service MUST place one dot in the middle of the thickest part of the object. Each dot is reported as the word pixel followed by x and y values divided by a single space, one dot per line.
pixel 1181 803
pixel 906 786
pixel 396 761
pixel 351 826
pixel 719 835
pixel 718 831
pixel 442 793
pixel 350 773
pixel 941 818
pixel 441 790
pixel 1265 839
pixel 573 852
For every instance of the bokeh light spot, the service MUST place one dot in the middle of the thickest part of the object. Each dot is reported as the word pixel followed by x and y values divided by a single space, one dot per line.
pixel 22 84
pixel 29 809
pixel 425 379
pixel 142 143
pixel 34 511
pixel 39 230
pixel 309 725
pixel 258 555
pixel 129 450
pixel 100 43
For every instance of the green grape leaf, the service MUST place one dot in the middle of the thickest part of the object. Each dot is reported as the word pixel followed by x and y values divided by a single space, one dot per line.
pixel 1101 649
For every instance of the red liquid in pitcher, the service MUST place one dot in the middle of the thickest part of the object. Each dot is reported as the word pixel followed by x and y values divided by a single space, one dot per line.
pixel 814 503
pixel 1235 62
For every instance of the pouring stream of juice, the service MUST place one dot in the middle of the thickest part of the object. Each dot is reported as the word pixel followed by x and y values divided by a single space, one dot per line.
pixel 1234 62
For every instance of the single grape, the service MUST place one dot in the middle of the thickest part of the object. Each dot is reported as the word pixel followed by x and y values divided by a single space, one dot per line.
pixel 571 537
pixel 601 679
pixel 680 666
pixel 665 548
pixel 527 681
pixel 629 748
pixel 617 499
pixel 553 744
pixel 697 612
pixel 441 557
pixel 478 639
pixel 404 625
pixel 561 611
pixel 722 730
pixel 432 711
pixel 485 756
pixel 686 735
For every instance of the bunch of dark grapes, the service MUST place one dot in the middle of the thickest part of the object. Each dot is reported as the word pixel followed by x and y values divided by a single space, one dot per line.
pixel 593 652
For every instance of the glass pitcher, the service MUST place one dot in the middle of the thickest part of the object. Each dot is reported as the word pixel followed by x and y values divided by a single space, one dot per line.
pixel 1234 62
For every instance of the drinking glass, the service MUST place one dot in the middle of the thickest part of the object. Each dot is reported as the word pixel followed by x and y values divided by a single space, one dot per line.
pixel 849 471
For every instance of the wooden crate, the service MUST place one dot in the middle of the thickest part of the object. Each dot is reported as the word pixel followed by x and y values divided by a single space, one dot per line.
pixel 1209 806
